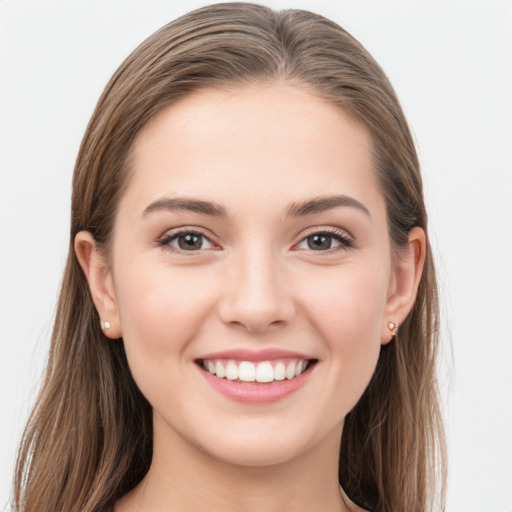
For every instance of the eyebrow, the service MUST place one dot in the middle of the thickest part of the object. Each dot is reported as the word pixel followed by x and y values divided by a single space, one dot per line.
pixel 322 204
pixel 316 205
pixel 183 203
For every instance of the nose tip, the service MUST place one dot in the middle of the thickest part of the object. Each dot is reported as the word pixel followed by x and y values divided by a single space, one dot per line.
pixel 257 301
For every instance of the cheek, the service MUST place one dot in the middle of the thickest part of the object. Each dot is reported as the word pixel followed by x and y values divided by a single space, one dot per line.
pixel 348 303
pixel 161 310
pixel 347 309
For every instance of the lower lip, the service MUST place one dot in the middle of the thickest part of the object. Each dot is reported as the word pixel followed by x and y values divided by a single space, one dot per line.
pixel 255 392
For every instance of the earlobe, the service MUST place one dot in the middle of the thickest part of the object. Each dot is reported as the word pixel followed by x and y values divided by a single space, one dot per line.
pixel 406 279
pixel 99 279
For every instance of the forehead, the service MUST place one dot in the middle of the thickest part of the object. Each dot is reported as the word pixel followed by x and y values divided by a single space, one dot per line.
pixel 278 143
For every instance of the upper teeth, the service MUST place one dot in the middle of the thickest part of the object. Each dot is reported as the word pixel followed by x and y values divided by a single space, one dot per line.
pixel 265 371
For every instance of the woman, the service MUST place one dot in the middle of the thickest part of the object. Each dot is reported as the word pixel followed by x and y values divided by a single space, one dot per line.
pixel 248 317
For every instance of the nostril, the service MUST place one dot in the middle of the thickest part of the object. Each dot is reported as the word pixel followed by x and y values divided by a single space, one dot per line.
pixel 256 327
pixel 258 306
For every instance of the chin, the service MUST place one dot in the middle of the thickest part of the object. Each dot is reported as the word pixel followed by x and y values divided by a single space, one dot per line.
pixel 257 455
pixel 259 446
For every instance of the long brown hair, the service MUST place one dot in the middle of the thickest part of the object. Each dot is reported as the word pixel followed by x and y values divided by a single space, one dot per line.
pixel 89 438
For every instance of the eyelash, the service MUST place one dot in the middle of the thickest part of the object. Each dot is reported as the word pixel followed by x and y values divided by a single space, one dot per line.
pixel 345 241
pixel 166 240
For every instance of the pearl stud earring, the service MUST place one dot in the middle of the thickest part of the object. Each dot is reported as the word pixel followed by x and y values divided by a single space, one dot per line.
pixel 393 327
pixel 106 325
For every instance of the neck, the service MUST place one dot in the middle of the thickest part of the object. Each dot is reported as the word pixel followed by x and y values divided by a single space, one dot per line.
pixel 183 478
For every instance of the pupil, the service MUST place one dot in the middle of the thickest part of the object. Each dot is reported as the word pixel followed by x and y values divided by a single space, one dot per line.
pixel 188 242
pixel 317 242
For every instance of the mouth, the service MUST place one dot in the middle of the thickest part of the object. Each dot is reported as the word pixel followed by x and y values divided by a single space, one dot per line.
pixel 260 372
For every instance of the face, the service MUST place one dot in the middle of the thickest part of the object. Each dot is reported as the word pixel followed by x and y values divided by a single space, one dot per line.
pixel 252 243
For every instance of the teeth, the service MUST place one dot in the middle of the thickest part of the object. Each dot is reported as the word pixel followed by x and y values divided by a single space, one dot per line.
pixel 279 371
pixel 232 371
pixel 247 371
pixel 219 370
pixel 263 372
pixel 290 370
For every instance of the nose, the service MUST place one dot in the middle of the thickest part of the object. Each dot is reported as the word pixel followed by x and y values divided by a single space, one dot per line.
pixel 256 296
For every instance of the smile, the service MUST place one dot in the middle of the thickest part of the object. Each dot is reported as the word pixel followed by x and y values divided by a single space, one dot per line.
pixel 263 372
pixel 256 377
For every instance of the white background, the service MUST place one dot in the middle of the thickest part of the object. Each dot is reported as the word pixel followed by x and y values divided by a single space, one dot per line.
pixel 451 64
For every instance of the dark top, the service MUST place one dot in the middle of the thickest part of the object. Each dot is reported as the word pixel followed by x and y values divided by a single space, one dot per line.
pixel 359 502
pixel 110 508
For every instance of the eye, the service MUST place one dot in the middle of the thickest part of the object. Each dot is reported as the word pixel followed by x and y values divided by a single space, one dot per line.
pixel 189 241
pixel 325 241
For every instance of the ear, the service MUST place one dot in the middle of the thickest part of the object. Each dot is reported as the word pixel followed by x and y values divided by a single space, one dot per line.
pixel 404 283
pixel 99 278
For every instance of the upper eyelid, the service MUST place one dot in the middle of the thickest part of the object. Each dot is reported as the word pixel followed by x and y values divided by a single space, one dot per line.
pixel 173 232
pixel 331 230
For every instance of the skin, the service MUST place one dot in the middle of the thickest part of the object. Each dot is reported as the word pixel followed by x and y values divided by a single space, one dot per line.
pixel 254 283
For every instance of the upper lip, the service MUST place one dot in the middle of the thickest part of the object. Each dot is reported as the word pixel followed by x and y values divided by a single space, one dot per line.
pixel 243 354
